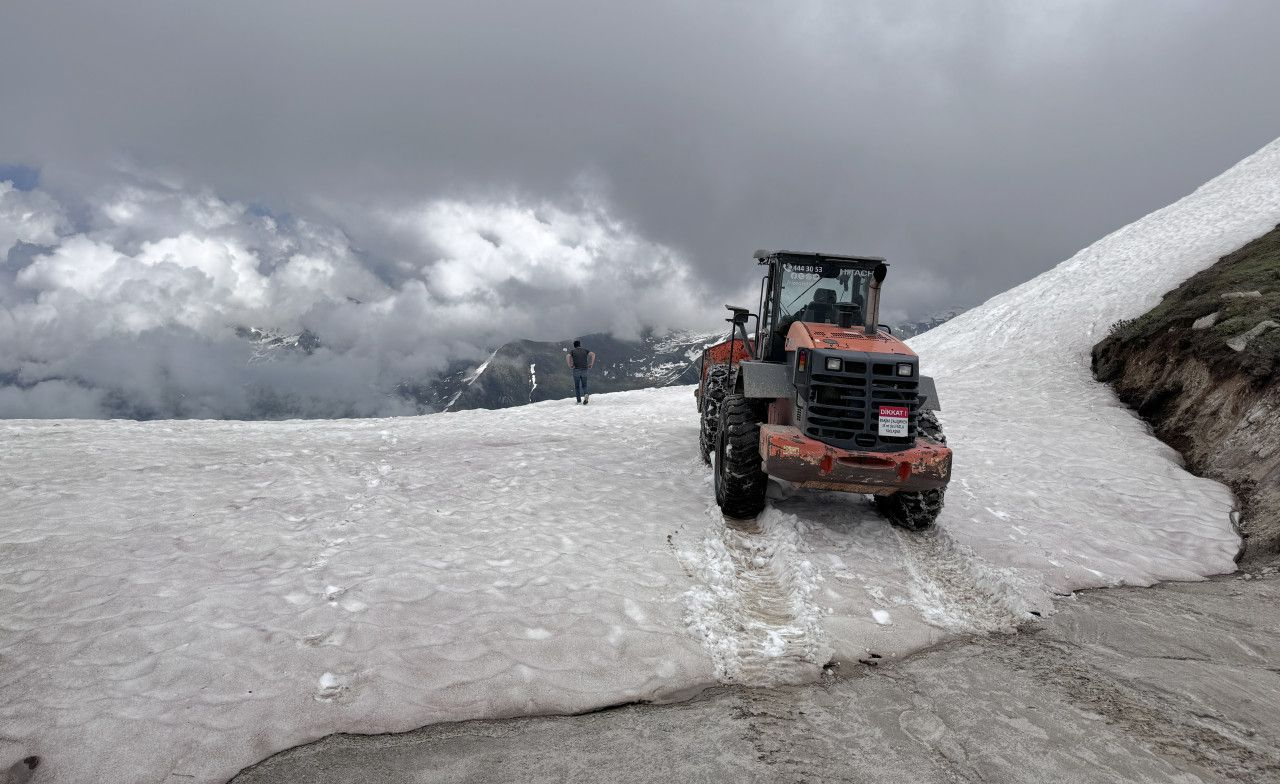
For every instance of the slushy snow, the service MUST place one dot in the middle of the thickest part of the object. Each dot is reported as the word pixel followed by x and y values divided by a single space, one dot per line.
pixel 181 599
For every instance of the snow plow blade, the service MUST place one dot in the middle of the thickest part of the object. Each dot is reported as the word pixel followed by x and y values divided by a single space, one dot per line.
pixel 803 461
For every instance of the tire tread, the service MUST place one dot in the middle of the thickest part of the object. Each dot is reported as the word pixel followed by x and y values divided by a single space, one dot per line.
pixel 742 481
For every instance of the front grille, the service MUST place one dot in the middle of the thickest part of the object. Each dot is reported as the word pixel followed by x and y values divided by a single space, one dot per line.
pixel 842 408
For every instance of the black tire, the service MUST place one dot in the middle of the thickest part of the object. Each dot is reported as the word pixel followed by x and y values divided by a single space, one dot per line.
pixel 713 392
pixel 929 427
pixel 916 511
pixel 739 476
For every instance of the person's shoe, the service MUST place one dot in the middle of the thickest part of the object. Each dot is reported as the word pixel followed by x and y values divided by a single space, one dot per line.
pixel 586 400
pixel 579 401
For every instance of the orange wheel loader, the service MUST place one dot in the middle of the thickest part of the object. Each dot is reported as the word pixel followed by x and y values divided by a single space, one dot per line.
pixel 821 395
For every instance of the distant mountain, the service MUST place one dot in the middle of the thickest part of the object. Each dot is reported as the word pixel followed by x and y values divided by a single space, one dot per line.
pixel 516 373
pixel 527 371
pixel 910 329
pixel 267 343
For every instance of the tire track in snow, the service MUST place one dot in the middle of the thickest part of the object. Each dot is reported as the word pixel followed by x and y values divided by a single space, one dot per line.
pixel 754 608
pixel 954 590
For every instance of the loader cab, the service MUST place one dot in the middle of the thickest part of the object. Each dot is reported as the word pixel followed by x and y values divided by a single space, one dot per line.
pixel 815 288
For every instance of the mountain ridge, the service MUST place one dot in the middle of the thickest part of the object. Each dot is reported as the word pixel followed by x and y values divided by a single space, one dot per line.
pixel 527 371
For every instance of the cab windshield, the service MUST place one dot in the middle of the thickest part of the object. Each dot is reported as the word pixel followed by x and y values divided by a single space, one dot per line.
pixel 806 295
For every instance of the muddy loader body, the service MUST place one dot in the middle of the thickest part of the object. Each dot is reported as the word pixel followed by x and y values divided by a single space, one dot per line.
pixel 820 395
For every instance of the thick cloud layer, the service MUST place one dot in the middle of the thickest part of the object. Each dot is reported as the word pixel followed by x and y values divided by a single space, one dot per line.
pixel 143 312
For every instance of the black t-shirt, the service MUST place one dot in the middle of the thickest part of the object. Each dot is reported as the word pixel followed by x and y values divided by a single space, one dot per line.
pixel 581 358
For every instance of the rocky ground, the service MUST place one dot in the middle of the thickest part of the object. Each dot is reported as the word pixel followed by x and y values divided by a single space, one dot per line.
pixel 1178 683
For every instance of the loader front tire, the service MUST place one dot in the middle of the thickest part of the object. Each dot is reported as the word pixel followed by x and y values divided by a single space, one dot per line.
pixel 739 474
pixel 914 511
pixel 929 427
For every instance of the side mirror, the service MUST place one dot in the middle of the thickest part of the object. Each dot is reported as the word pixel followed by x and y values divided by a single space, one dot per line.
pixel 740 315
pixel 887 328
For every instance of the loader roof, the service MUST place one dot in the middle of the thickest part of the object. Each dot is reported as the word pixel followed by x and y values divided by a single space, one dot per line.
pixel 766 256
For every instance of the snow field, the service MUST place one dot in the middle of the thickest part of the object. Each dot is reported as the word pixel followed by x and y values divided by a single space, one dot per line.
pixel 187 598
pixel 190 597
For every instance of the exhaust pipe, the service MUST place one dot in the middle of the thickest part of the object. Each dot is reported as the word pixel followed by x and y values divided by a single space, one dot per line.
pixel 873 306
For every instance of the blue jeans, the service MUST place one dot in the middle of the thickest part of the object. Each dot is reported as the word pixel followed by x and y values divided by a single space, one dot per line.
pixel 580 382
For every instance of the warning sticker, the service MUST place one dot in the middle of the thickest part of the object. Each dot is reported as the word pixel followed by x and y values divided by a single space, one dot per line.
pixel 893 420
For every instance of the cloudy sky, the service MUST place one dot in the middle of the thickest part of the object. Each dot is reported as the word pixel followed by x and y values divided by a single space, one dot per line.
pixel 415 181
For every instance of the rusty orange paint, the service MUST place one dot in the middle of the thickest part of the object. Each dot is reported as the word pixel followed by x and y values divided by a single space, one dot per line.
pixel 790 455
pixel 719 354
pixel 828 336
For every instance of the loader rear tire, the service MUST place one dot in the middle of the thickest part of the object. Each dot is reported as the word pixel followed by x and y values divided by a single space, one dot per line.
pixel 740 479
pixel 713 392
pixel 914 511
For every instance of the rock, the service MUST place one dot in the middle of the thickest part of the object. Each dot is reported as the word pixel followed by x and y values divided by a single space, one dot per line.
pixel 1239 342
pixel 1242 295
pixel 1204 322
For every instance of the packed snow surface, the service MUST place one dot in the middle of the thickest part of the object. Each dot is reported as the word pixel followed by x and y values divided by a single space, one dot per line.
pixel 181 599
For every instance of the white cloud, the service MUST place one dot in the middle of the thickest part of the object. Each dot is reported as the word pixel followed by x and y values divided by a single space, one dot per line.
pixel 27 216
pixel 543 267
pixel 135 313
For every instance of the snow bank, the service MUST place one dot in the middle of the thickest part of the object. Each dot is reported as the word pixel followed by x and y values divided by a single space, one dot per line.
pixel 181 599
pixel 1052 473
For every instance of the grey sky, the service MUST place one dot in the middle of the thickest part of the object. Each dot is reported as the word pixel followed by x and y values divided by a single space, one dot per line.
pixel 975 144
pixel 979 141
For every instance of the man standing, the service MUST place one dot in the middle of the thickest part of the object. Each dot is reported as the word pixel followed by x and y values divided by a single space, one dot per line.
pixel 580 361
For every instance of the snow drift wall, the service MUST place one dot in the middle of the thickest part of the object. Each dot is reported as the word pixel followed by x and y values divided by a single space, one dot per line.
pixel 1052 472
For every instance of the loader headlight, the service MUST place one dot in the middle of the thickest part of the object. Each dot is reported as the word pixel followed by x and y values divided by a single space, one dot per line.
pixel 834 363
pixel 905 369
